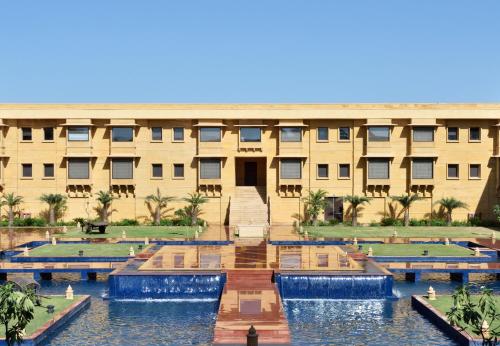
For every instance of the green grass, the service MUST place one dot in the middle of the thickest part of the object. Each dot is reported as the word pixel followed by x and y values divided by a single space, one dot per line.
pixel 89 250
pixel 444 304
pixel 135 232
pixel 417 250
pixel 41 316
pixel 417 231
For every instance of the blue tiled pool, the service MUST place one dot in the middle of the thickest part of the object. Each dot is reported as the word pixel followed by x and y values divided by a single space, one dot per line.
pixel 312 322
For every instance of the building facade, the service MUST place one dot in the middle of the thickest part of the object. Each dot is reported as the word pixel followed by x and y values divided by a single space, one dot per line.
pixel 256 163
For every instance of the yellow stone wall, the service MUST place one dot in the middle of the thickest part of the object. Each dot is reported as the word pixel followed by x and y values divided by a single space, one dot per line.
pixel 480 194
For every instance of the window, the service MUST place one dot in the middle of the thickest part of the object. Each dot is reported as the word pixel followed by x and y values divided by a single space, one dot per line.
pixel 291 169
pixel 78 134
pixel 26 134
pixel 122 134
pixel 322 260
pixel 156 133
pixel 475 134
pixel 250 134
pixel 452 134
pixel 178 134
pixel 452 172
pixel 210 134
pixel 344 170
pixel 423 134
pixel 422 169
pixel 379 134
pixel 178 260
pixel 322 134
pixel 322 171
pixel 178 170
pixel 48 133
pixel 122 168
pixel 344 133
pixel 157 170
pixel 210 169
pixel 78 169
pixel 378 169
pixel 48 170
pixel 475 171
pixel 291 134
pixel 27 170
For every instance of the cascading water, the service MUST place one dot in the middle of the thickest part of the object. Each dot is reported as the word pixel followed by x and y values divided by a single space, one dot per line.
pixel 298 286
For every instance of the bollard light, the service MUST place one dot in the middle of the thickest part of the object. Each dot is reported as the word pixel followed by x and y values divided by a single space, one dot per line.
pixel 69 293
pixel 431 293
pixel 252 337
pixel 370 251
pixel 360 247
pixel 50 309
pixel 80 253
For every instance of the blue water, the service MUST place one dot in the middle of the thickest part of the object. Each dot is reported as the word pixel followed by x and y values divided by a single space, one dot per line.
pixel 316 322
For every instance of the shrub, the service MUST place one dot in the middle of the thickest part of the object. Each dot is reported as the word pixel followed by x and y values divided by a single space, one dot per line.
pixel 80 220
pixel 415 222
pixel 333 222
pixel 126 222
pixel 374 224
pixel 390 221
pixel 437 222
pixel 166 222
pixel 30 222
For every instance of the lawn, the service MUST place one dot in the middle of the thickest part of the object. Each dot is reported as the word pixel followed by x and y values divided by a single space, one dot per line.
pixel 135 232
pixel 416 232
pixel 41 316
pixel 89 250
pixel 417 250
pixel 444 303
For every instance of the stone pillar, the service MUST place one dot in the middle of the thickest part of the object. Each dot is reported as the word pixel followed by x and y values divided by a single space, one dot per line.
pixel 69 293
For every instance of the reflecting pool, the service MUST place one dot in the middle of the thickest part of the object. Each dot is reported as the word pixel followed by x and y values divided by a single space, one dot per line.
pixel 316 322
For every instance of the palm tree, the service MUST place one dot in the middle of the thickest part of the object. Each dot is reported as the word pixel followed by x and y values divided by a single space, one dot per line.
pixel 406 201
pixel 105 199
pixel 160 201
pixel 356 201
pixel 56 202
pixel 12 201
pixel 449 204
pixel 195 200
pixel 315 204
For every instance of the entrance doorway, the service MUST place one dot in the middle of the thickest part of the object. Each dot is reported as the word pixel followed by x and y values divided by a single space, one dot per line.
pixel 335 209
pixel 250 174
pixel 250 171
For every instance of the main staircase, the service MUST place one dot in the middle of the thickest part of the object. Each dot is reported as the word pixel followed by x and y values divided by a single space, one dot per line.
pixel 249 210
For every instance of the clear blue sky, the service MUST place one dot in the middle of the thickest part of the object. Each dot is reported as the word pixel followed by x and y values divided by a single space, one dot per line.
pixel 209 51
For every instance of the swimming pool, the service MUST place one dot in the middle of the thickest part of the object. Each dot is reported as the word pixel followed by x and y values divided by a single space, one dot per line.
pixel 312 322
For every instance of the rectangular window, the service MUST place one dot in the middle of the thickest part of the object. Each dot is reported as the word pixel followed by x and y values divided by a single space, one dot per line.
pixel 122 134
pixel 322 134
pixel 250 134
pixel 344 133
pixel 322 260
pixel 122 168
pixel 48 170
pixel 156 133
pixel 422 169
pixel 452 134
pixel 178 134
pixel 475 134
pixel 48 133
pixel 210 134
pixel 27 170
pixel 379 134
pixel 423 134
pixel 344 170
pixel 291 134
pixel 78 134
pixel 78 169
pixel 323 171
pixel 157 170
pixel 452 171
pixel 26 134
pixel 178 260
pixel 210 169
pixel 178 170
pixel 475 171
pixel 378 169
pixel 291 169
